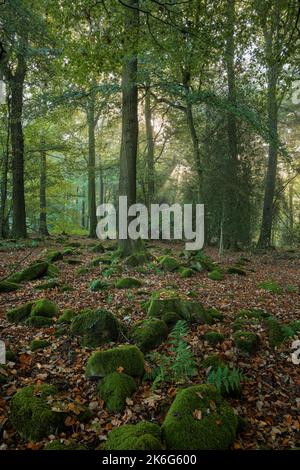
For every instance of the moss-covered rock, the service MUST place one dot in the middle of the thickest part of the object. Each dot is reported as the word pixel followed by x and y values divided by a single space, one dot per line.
pixel 100 260
pixel 58 445
pixel 44 308
pixel 129 358
pixel 199 419
pixel 246 341
pixel 215 315
pixel 35 271
pixel 52 271
pixel 53 256
pixel 186 272
pixel 168 263
pixel 149 334
pixel 31 414
pixel 170 318
pixel 8 286
pixel 37 344
pixel 19 314
pixel 52 284
pixel 127 283
pixel 236 270
pixel 201 262
pixel 114 389
pixel 39 322
pixel 276 332
pixel 97 248
pixel 141 436
pixel 136 259
pixel 164 301
pixel 216 275
pixel 10 356
pixel 213 361
pixel 213 337
pixel 67 316
pixel 96 327
pixel 244 323
pixel 98 285
pixel 74 244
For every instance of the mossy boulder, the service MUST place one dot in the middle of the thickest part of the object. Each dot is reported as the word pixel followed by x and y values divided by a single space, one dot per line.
pixel 19 314
pixel 53 256
pixel 186 272
pixel 236 270
pixel 58 445
pixel 276 332
pixel 129 358
pixel 96 327
pixel 97 248
pixel 213 337
pixel 149 334
pixel 39 322
pixel 215 315
pixel 201 262
pixel 213 361
pixel 44 308
pixel 168 263
pixel 127 283
pixel 141 436
pixel 98 285
pixel 35 271
pixel 10 356
pixel 32 415
pixel 170 318
pixel 100 260
pixel 165 300
pixel 37 344
pixel 199 419
pixel 8 286
pixel 216 275
pixel 52 271
pixel 244 323
pixel 114 389
pixel 52 284
pixel 67 316
pixel 136 259
pixel 246 341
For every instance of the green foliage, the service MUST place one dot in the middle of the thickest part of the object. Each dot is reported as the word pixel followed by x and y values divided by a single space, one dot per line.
pixel 213 337
pixel 114 389
pixel 98 284
pixel 271 286
pixel 227 381
pixel 141 436
pixel 212 361
pixel 216 275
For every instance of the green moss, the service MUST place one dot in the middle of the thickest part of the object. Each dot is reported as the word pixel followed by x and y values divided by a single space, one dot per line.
pixel 214 429
pixel 31 414
pixel 10 356
pixel 244 323
pixel 213 337
pixel 215 314
pixel 127 283
pixel 295 326
pixel 100 260
pixel 52 284
pixel 114 389
pixel 98 284
pixel 74 244
pixel 58 445
pixel 236 270
pixel 271 286
pixel 19 314
pixel 69 252
pixel 52 271
pixel 149 334
pixel 246 341
pixel 129 358
pixel 97 248
pixel 83 270
pixel 276 332
pixel 136 259
pixel 212 361
pixel 8 286
pixel 67 316
pixel 167 263
pixel 170 318
pixel 44 308
pixel 141 436
pixel 39 322
pixel 216 275
pixel 35 271
pixel 53 256
pixel 37 344
pixel 252 313
pixel 96 327
pixel 202 262
pixel 186 272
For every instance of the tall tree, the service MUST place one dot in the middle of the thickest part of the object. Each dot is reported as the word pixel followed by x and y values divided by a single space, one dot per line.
pixel 91 120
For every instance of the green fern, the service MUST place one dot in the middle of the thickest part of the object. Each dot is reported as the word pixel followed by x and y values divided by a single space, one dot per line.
pixel 226 381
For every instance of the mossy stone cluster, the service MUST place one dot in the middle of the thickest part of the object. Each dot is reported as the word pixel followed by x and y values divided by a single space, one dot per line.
pixel 128 283
pixel 96 327
pixel 34 271
pixel 136 259
pixel 54 256
pixel 36 314
pixel 141 436
pixel 216 275
pixel 149 334
pixel 236 270
pixel 114 389
pixel 31 414
pixel 246 341
pixel 186 272
pixel 213 337
pixel 168 263
pixel 67 316
pixel 199 419
pixel 98 248
pixel 129 358
pixel 39 344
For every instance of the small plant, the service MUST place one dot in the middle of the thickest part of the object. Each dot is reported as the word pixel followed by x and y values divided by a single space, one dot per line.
pixel 179 363
pixel 270 286
pixel 226 381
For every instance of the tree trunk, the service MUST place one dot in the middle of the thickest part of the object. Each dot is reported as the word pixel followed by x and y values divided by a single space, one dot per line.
pixel 43 229
pixel 128 153
pixel 91 169
pixel 17 142
pixel 4 175
pixel 101 186
pixel 150 148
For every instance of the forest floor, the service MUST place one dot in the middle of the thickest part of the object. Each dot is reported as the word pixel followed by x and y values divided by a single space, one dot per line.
pixel 270 399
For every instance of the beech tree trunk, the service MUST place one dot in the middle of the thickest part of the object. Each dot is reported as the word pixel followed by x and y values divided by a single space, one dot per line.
pixel 91 169
pixel 43 229
pixel 150 148
pixel 4 176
